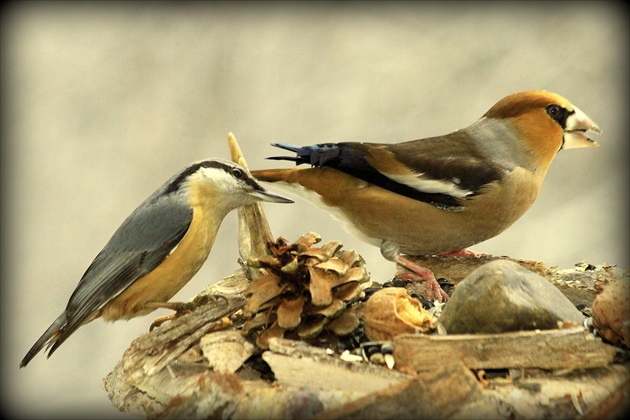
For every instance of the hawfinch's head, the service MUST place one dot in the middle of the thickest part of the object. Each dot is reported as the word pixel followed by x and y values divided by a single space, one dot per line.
pixel 547 122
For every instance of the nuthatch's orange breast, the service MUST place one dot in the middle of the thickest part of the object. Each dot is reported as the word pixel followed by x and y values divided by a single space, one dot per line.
pixel 172 274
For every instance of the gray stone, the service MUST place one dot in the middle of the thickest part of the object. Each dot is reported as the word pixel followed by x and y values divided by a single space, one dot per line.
pixel 502 296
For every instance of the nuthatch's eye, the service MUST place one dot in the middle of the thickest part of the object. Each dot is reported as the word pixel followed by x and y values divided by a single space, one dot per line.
pixel 237 173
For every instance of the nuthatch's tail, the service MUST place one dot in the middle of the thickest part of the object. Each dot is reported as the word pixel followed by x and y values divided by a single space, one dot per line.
pixel 49 338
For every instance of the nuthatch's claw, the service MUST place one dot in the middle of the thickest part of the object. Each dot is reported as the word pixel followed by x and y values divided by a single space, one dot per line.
pixel 182 308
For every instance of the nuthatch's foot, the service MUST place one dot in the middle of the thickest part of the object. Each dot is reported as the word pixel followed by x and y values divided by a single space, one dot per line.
pixel 181 308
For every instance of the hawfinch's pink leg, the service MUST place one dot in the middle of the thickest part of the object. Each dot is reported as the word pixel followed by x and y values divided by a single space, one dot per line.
pixel 425 275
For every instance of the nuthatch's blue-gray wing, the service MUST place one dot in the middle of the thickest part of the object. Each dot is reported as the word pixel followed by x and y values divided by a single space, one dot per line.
pixel 139 245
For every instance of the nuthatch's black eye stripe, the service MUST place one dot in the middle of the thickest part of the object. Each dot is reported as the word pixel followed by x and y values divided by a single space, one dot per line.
pixel 235 172
pixel 179 179
pixel 232 170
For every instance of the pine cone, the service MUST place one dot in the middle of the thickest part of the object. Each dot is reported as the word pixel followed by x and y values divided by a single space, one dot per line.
pixel 306 292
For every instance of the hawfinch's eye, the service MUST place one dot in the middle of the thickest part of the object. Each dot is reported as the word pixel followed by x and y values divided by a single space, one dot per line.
pixel 237 173
pixel 554 111
pixel 559 114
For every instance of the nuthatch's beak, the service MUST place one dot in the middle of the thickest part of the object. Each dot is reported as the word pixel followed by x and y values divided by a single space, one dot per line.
pixel 264 195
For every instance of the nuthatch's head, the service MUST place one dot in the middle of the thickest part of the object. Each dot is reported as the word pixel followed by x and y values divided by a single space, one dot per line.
pixel 221 183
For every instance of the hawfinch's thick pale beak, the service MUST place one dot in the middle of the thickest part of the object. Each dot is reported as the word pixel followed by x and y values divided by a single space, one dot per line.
pixel 578 124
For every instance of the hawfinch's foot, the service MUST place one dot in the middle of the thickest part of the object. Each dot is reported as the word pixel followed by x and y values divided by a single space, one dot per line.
pixel 424 275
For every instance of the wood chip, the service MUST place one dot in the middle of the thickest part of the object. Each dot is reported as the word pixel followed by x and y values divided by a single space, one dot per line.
pixel 152 352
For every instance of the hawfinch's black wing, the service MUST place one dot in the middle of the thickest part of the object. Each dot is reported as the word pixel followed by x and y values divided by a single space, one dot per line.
pixel 432 170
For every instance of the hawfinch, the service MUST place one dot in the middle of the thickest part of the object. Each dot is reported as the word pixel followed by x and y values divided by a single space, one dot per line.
pixel 439 195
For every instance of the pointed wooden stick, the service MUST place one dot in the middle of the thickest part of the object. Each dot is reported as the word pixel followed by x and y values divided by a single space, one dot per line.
pixel 254 233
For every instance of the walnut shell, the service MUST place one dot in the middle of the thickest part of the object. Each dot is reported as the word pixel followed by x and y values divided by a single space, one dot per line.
pixel 611 310
pixel 391 312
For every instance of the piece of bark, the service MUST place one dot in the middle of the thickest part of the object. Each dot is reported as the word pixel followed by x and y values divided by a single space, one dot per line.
pixel 297 364
pixel 615 406
pixel 547 349
pixel 438 393
pixel 232 286
pixel 186 393
pixel 551 396
pixel 226 351
pixel 152 352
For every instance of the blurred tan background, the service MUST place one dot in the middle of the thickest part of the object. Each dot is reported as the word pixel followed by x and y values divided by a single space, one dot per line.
pixel 102 104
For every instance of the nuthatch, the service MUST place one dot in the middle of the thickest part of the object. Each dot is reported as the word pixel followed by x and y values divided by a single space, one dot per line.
pixel 157 249
pixel 443 194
